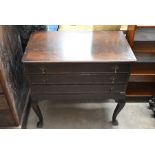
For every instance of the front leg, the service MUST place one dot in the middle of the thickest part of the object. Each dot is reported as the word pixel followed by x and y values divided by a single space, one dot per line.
pixel 119 107
pixel 152 105
pixel 37 110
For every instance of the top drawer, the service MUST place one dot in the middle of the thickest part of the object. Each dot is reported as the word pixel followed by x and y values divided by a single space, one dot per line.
pixel 48 68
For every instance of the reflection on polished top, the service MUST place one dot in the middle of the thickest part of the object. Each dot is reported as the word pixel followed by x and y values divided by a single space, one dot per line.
pixel 103 46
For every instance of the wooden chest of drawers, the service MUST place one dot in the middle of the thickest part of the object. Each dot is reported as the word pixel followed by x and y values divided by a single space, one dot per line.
pixel 68 66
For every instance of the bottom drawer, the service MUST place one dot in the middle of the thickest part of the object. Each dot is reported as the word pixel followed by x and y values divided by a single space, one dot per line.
pixel 59 89
pixel 80 96
pixel 3 103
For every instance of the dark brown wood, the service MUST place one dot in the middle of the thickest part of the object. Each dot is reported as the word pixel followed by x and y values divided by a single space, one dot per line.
pixel 6 118
pixel 77 66
pixel 66 67
pixel 13 84
pixel 26 112
pixel 152 104
pixel 142 78
pixel 78 88
pixel 3 103
pixel 143 69
pixel 119 107
pixel 10 109
pixel 145 89
pixel 144 46
pixel 1 90
pixel 104 46
pixel 38 112
pixel 79 78
pixel 85 97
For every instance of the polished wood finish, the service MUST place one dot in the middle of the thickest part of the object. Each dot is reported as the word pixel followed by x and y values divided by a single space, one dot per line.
pixel 78 66
pixel 78 47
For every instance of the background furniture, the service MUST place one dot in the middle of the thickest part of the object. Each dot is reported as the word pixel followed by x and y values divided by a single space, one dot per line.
pixel 13 86
pixel 78 65
pixel 142 77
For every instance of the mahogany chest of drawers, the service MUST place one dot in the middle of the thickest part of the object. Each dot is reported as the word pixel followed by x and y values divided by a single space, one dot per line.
pixel 78 65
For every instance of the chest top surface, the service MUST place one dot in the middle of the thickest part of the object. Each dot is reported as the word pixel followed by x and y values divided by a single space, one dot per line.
pixel 103 46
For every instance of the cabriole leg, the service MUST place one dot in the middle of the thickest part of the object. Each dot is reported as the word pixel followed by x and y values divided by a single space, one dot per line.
pixel 37 110
pixel 119 107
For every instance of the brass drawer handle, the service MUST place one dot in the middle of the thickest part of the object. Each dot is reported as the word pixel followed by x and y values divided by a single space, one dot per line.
pixel 116 67
pixel 43 70
pixel 113 79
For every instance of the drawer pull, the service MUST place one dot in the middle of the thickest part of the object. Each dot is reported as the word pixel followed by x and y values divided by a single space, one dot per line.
pixel 113 79
pixel 116 67
pixel 43 70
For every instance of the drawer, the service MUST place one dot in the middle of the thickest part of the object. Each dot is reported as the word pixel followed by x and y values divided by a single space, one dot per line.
pixel 3 102
pixel 88 97
pixel 78 78
pixel 65 89
pixel 52 68
pixel 72 96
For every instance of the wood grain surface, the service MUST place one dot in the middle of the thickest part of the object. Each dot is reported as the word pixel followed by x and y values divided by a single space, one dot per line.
pixel 103 46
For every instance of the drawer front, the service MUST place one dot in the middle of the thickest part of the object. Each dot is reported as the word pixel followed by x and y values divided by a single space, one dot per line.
pixel 65 89
pixel 78 78
pixel 72 96
pixel 75 67
pixel 3 102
